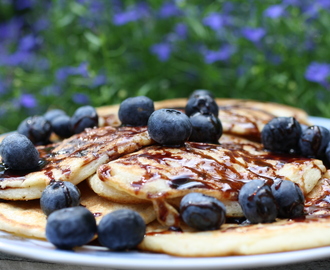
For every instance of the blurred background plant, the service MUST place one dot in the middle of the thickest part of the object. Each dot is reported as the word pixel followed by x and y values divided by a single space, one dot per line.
pixel 67 53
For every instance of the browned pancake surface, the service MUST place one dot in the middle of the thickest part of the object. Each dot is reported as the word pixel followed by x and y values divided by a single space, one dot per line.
pixel 74 160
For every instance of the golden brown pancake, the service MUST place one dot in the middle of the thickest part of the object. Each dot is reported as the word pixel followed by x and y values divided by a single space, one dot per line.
pixel 25 218
pixel 161 174
pixel 74 160
pixel 233 238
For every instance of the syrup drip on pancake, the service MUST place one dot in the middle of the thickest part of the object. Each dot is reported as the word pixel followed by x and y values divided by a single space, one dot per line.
pixel 86 145
pixel 202 170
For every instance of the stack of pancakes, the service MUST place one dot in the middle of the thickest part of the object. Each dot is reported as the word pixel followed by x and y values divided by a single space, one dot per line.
pixel 122 167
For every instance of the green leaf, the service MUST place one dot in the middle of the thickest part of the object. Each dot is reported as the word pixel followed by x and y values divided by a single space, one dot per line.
pixel 93 39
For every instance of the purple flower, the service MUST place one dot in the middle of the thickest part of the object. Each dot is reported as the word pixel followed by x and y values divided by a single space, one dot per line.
pixel 99 80
pixel 23 4
pixel 292 2
pixel 80 98
pixel 216 21
pixel 134 13
pixel 223 54
pixel 253 34
pixel 64 72
pixel 11 29
pixel 28 43
pixel 323 4
pixel 28 101
pixel 126 17
pixel 3 87
pixel 318 72
pixel 181 30
pixel 17 58
pixel 169 9
pixel 274 11
pixel 162 51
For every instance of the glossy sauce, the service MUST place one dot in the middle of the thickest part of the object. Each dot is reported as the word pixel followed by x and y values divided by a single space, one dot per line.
pixel 200 167
pixel 86 146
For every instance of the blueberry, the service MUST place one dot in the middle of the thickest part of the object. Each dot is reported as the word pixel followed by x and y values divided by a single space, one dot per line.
pixel 281 135
pixel 58 195
pixel 169 127
pixel 313 141
pixel 205 128
pixel 201 92
pixel 135 111
pixel 19 153
pixel 202 212
pixel 257 202
pixel 121 229
pixel 203 104
pixel 289 198
pixel 327 154
pixel 84 117
pixel 62 126
pixel 54 113
pixel 36 128
pixel 70 227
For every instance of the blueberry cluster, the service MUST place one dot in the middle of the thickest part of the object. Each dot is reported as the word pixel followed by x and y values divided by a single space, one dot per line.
pixel 203 112
pixel 263 203
pixel 39 128
pixel 286 135
pixel 71 227
pixel 199 123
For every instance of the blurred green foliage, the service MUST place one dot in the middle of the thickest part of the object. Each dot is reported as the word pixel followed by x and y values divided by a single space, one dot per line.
pixel 63 54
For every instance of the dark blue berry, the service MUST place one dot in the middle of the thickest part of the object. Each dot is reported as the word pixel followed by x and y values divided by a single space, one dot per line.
pixel 201 92
pixel 135 111
pixel 84 117
pixel 327 155
pixel 70 227
pixel 281 135
pixel 205 128
pixel 202 212
pixel 169 127
pixel 36 128
pixel 62 126
pixel 58 195
pixel 257 202
pixel 203 104
pixel 54 113
pixel 313 141
pixel 289 198
pixel 19 153
pixel 121 230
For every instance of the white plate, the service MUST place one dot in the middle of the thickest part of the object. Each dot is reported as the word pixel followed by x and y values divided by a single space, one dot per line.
pixel 99 256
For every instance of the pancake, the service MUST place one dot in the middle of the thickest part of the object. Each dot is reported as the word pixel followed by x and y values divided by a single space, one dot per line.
pixel 74 160
pixel 161 174
pixel 25 218
pixel 133 172
pixel 234 238
pixel 238 117
pixel 231 239
pixel 109 191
